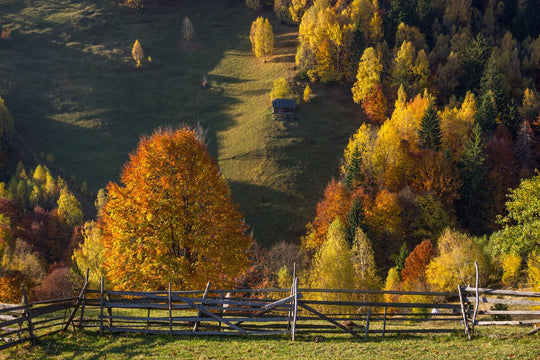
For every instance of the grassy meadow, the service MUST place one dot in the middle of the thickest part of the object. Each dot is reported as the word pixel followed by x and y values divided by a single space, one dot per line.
pixel 90 345
pixel 69 80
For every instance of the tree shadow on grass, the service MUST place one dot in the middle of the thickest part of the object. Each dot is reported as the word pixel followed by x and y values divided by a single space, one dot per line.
pixel 76 94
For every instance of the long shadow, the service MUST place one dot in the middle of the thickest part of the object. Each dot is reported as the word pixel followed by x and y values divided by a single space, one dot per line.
pixel 270 219
pixel 75 93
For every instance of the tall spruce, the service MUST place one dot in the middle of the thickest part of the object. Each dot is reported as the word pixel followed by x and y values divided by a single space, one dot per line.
pixel 474 193
pixel 487 112
pixel 430 133
pixel 354 220
pixel 352 176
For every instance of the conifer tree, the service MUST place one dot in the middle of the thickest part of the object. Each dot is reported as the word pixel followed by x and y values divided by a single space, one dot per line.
pixel 400 259
pixel 474 193
pixel 430 134
pixel 353 173
pixel 487 112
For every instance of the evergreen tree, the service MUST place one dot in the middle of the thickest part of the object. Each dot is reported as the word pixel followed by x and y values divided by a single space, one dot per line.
pixel 474 193
pixel 474 59
pixel 487 112
pixel 400 259
pixel 430 133
pixel 352 176
pixel 354 219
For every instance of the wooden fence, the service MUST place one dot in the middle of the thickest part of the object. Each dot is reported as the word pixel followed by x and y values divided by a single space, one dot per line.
pixel 294 311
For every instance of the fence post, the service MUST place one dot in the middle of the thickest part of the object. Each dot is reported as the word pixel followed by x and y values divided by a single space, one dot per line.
pixel 170 311
pixel 477 298
pixel 77 304
pixel 367 322
pixel 463 312
pixel 221 313
pixel 295 309
pixel 101 306
pixel 202 304
pixel 384 322
pixel 83 302
pixel 27 315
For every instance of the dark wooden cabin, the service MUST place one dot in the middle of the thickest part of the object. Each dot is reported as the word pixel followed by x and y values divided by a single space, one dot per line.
pixel 284 107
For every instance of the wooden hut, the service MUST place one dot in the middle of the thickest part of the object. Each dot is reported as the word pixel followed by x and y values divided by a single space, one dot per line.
pixel 284 107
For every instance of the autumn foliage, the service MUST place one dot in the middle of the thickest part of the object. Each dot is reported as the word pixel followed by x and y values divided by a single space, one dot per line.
pixel 172 219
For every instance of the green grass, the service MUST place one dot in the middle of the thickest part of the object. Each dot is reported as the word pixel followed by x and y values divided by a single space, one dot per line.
pixel 68 78
pixel 90 345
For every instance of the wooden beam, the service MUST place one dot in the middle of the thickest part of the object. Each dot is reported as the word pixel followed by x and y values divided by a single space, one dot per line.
pixel 324 317
pixel 465 320
pixel 212 315
pixel 202 304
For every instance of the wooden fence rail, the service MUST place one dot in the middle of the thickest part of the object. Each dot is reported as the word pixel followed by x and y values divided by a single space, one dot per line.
pixel 359 313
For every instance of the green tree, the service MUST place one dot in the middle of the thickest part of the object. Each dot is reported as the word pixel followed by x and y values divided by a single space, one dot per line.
pixel 262 38
pixel 7 127
pixel 430 134
pixel 474 60
pixel 474 193
pixel 520 231
pixel 487 112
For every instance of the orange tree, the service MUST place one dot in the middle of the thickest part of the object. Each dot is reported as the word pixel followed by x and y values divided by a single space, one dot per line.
pixel 172 218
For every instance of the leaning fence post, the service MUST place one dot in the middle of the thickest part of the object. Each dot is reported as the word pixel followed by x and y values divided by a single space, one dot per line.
pixel 477 298
pixel 77 304
pixel 101 307
pixel 83 300
pixel 199 314
pixel 27 315
pixel 295 309
pixel 465 320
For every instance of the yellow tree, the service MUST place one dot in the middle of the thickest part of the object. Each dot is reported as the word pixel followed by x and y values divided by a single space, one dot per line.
pixel 333 265
pixel 137 53
pixel 262 38
pixel 368 75
pixel 172 219
pixel 455 263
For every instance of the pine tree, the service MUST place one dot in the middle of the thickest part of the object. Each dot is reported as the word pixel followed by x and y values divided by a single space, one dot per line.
pixel 355 219
pixel 474 193
pixel 353 173
pixel 430 134
pixel 400 259
pixel 487 112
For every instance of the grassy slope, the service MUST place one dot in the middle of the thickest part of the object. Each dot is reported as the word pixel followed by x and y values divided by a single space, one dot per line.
pixel 68 78
pixel 92 346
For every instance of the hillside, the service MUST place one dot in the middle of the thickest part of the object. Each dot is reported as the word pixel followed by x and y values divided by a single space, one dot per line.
pixel 69 80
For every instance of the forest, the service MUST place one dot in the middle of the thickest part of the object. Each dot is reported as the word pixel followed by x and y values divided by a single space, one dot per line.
pixel 440 175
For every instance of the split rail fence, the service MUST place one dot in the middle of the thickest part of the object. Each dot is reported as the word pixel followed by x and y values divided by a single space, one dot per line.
pixel 360 313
